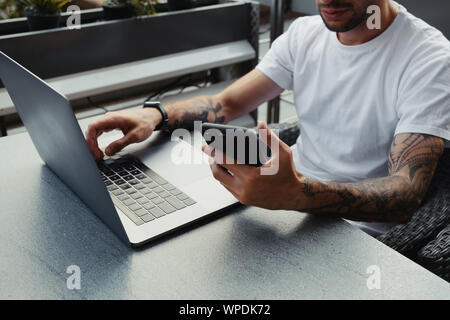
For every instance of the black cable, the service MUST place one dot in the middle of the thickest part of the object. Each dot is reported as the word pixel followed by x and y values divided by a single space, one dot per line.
pixel 166 88
pixel 92 103
pixel 172 85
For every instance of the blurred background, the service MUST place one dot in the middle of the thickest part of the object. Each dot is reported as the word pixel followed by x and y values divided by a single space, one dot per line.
pixel 125 51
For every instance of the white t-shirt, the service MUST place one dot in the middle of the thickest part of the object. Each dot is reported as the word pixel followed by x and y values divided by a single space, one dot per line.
pixel 352 100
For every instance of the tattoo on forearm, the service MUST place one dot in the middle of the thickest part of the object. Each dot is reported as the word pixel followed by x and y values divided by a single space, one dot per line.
pixel 412 162
pixel 199 109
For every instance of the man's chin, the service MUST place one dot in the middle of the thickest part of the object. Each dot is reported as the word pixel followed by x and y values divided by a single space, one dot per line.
pixel 336 27
pixel 344 25
pixel 341 26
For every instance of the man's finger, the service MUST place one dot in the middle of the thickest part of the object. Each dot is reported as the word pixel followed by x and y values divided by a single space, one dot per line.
pixel 104 125
pixel 221 175
pixel 116 146
pixel 223 160
pixel 267 136
pixel 97 128
pixel 93 145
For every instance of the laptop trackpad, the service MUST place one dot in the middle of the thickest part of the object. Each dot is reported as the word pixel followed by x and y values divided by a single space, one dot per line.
pixel 176 161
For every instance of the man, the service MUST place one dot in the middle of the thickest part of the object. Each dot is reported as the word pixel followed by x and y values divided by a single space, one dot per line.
pixel 373 107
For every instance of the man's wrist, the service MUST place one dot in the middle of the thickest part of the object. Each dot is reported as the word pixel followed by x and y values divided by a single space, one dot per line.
pixel 161 125
pixel 300 184
pixel 155 117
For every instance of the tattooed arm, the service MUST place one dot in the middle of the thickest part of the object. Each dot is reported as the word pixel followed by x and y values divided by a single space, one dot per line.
pixel 412 162
pixel 241 97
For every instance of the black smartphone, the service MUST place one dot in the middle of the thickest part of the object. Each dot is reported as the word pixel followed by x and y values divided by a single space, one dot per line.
pixel 239 143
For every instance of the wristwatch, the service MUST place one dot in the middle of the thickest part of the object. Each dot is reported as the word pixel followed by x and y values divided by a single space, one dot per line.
pixel 158 105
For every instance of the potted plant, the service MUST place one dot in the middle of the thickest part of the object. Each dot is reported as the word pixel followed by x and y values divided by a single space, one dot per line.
pixel 43 14
pixel 144 7
pixel 10 9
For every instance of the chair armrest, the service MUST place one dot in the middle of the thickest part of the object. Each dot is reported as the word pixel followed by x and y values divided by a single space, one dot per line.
pixel 435 256
pixel 429 219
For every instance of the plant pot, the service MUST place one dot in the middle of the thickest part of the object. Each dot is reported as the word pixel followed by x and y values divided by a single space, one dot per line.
pixel 187 4
pixel 179 4
pixel 38 21
pixel 114 12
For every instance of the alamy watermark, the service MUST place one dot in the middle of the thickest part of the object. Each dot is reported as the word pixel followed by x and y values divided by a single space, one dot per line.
pixel 74 19
pixel 374 20
pixel 73 282
pixel 374 280
pixel 242 147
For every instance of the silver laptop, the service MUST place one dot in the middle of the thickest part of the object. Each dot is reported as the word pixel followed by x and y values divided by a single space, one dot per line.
pixel 147 190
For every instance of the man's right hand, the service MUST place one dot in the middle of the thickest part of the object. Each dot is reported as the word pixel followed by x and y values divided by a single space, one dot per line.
pixel 136 125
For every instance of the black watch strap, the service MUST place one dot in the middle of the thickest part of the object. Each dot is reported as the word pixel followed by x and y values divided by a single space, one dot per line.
pixel 158 105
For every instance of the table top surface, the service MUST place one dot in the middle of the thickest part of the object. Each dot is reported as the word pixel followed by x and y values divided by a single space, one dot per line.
pixel 244 253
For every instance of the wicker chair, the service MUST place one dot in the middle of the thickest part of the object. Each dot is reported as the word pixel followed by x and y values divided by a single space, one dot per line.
pixel 425 239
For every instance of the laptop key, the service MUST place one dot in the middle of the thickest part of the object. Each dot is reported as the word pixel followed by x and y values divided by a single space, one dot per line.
pixel 157 212
pixel 128 177
pixel 175 192
pixel 182 196
pixel 114 177
pixel 151 195
pixel 176 203
pixel 139 186
pixel 158 190
pixel 141 176
pixel 168 187
pixel 133 217
pixel 109 172
pixel 148 217
pixel 135 172
pixel 136 196
pixel 145 179
pixel 157 200
pixel 140 212
pixel 134 207
pixel 112 188
pixel 123 197
pixel 130 191
pixel 133 182
pixel 148 206
pixel 166 207
pixel 145 191
pixel 152 185
pixel 189 202
pixel 164 194
pixel 117 192
pixel 129 202
pixel 120 182
pixel 108 183
pixel 143 200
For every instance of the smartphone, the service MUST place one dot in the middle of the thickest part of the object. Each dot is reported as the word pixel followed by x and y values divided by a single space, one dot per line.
pixel 243 145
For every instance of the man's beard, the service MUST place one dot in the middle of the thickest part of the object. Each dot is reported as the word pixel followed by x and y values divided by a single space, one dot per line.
pixel 357 19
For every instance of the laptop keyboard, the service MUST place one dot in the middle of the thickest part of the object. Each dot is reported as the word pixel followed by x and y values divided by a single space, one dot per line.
pixel 139 192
